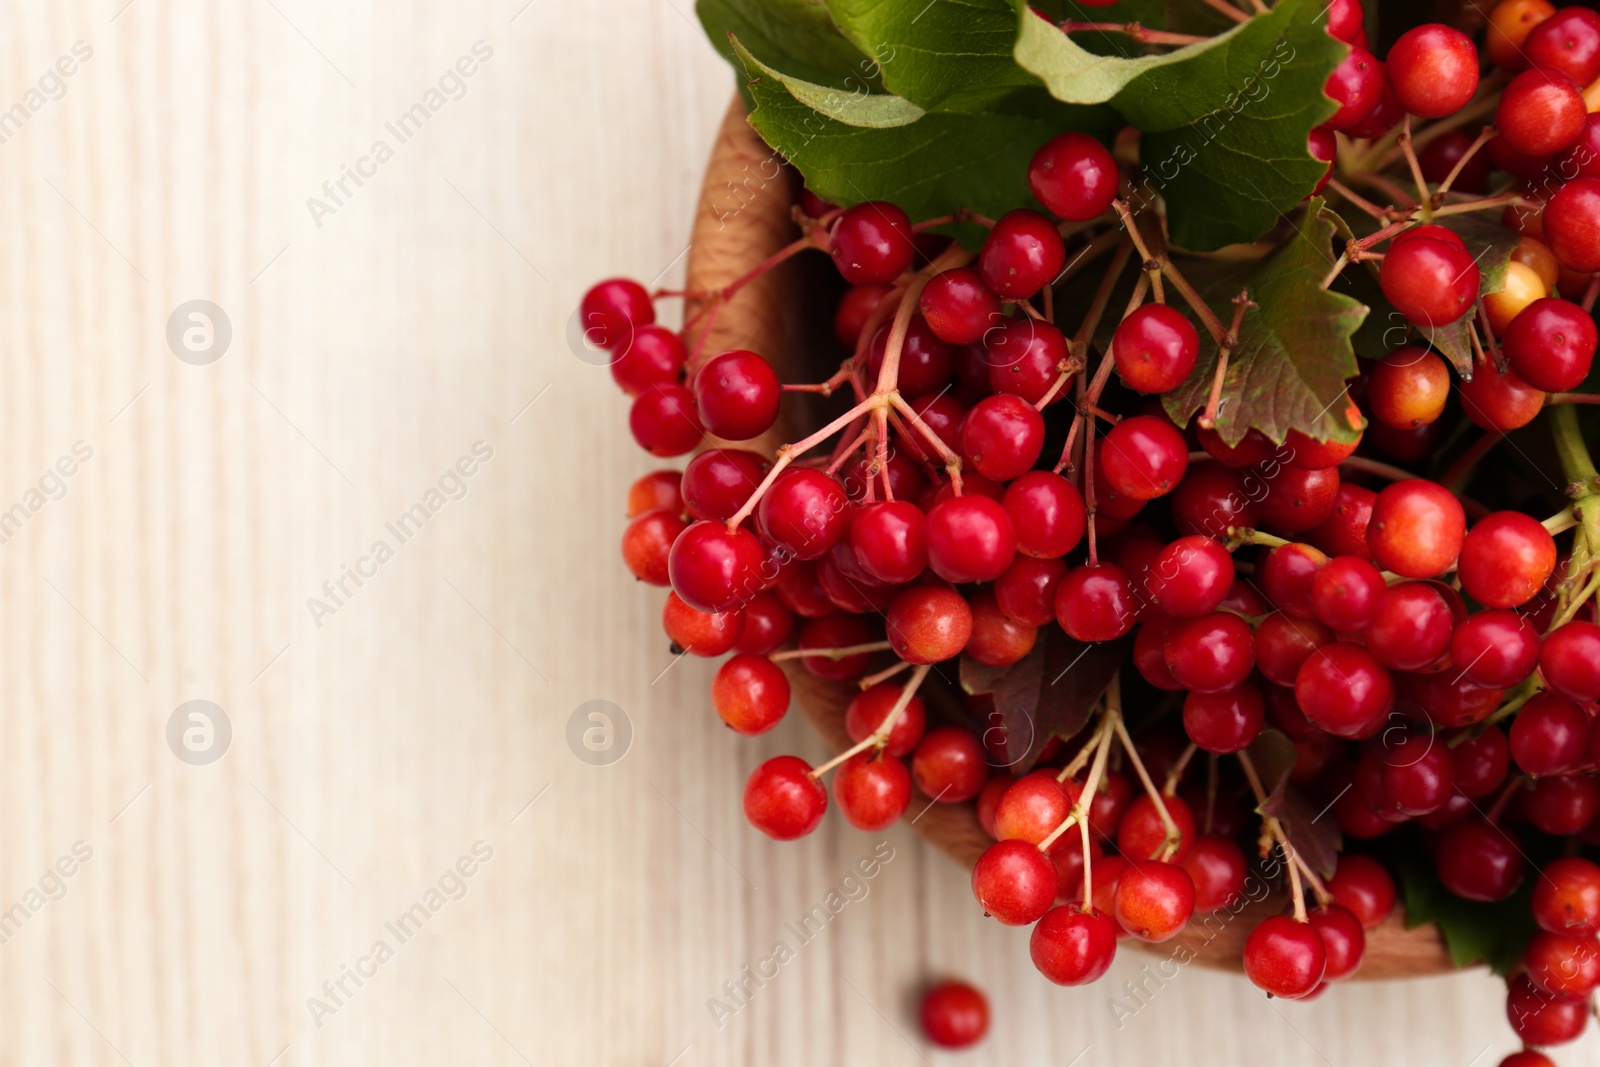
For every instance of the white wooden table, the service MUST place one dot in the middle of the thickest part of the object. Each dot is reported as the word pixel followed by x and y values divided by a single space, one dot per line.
pixel 382 733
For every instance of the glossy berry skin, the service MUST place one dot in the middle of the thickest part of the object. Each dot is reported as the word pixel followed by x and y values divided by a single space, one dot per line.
pixel 1510 22
pixel 1096 603
pixel 1563 965
pixel 1572 224
pixel 1155 348
pixel 1074 177
pixel 1284 643
pixel 870 707
pixel 926 363
pixel 1429 281
pixel 1323 145
pixel 656 491
pixel 1418 775
pixel 889 540
pixel 997 639
pixel 1218 869
pixel 1499 402
pixel 1347 594
pixel 1566 898
pixel 1505 559
pixel 1523 286
pixel 713 568
pixel 1285 958
pixel 1408 388
pixel 1141 835
pixel 1433 70
pixel 928 624
pixel 1002 436
pixel 1363 885
pixel 805 511
pixel 737 395
pixel 1190 577
pixel 1541 112
pixel 1412 629
pixel 611 310
pixel 654 355
pixel 1024 358
pixel 949 764
pixel 702 633
pixel 1551 344
pixel 954 1015
pixel 647 542
pixel 1481 763
pixel 1307 453
pixel 1224 722
pixel 1344 691
pixel 718 481
pixel 1027 590
pixel 1047 514
pixel 1295 499
pixel 1210 499
pixel 1540 1019
pixel 1549 735
pixel 872 790
pixel 783 800
pixel 1356 85
pixel 1343 939
pixel 1210 654
pixel 1021 254
pixel 1153 900
pixel 1031 809
pixel 1441 155
pixel 1495 649
pixel 750 693
pixel 1567 41
pixel 1014 882
pixel 970 539
pixel 1416 529
pixel 1570 660
pixel 1563 804
pixel 1145 457
pixel 872 244
pixel 855 308
pixel 664 421
pixel 958 306
pixel 1072 945
pixel 1477 861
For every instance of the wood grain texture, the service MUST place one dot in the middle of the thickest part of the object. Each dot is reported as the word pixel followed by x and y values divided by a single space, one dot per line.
pixel 374 746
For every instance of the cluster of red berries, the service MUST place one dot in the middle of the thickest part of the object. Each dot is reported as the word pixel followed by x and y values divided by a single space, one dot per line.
pixel 1431 673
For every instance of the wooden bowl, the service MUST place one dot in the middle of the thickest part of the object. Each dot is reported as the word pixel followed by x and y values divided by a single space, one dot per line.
pixel 742 218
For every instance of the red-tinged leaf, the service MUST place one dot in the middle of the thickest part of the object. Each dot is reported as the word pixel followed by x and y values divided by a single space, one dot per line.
pixel 1048 693
pixel 1312 833
pixel 1294 355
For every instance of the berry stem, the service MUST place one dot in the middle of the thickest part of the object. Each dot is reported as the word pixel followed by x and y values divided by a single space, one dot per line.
pixel 787 453
pixel 1484 137
pixel 1274 828
pixel 883 676
pixel 1412 162
pixel 879 737
pixel 1134 30
pixel 829 653
pixel 1191 297
pixel 1459 473
pixel 1225 347
pixel 1245 535
pixel 1101 743
pixel 1486 203
pixel 1173 833
pixel 1170 786
pixel 1572 398
pixel 1225 8
pixel 1519 696
pixel 1147 262
pixel 1381 214
pixel 952 462
pixel 1373 466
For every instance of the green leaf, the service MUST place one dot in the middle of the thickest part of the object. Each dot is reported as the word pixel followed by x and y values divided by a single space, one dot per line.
pixel 855 147
pixel 796 36
pixel 1475 932
pixel 1224 121
pixel 947 55
pixel 1294 354
pixel 1047 693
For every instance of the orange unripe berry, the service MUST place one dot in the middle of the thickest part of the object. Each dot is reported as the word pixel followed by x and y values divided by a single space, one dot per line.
pixel 1522 287
pixel 1408 388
